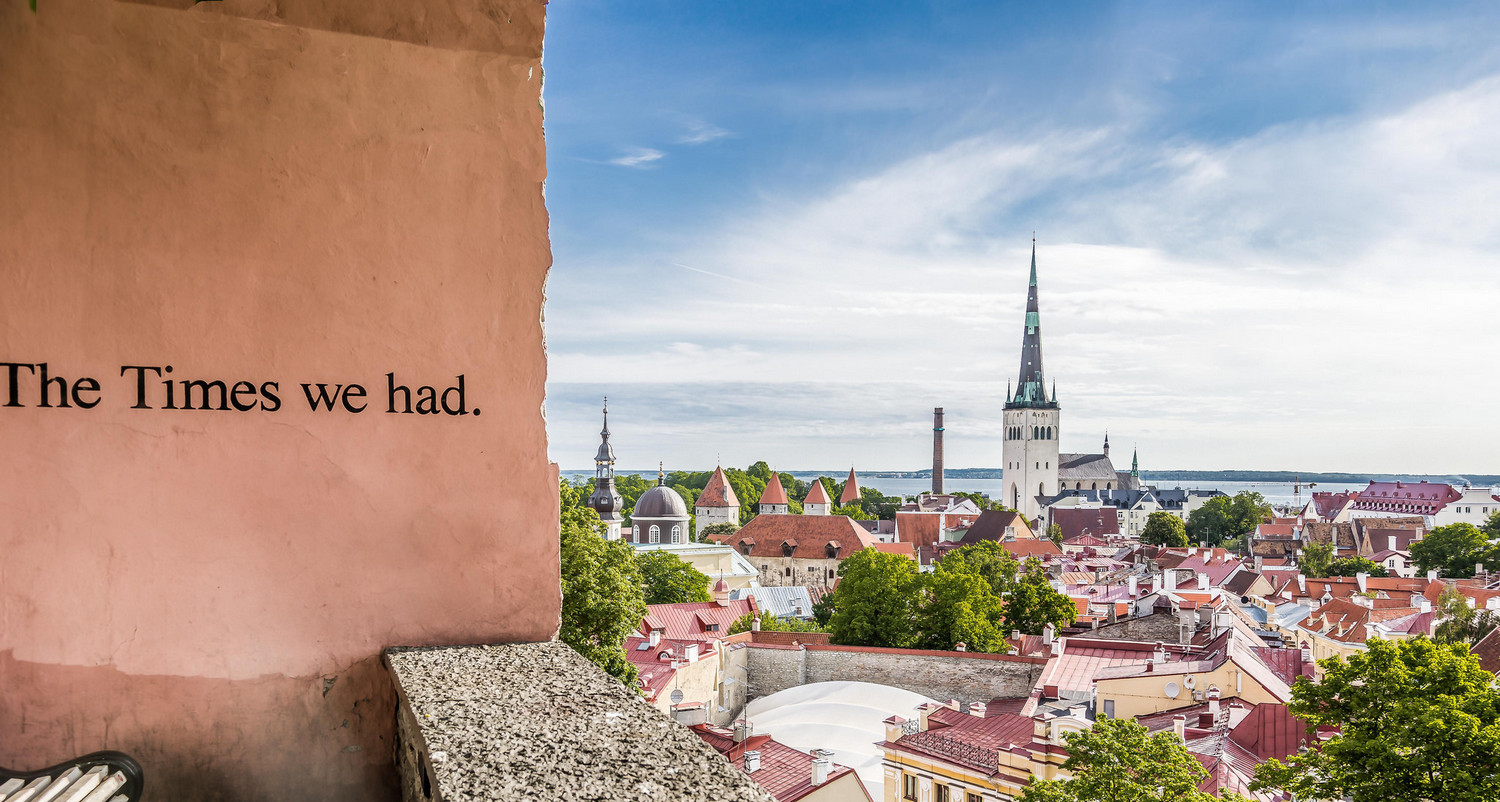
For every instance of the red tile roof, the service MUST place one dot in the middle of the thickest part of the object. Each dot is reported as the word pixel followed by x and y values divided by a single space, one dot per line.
pixel 784 772
pixel 904 549
pixel 696 621
pixel 718 492
pixel 966 740
pixel 817 495
pixel 654 663
pixel 1488 651
pixel 807 536
pixel 924 529
pixel 1270 731
pixel 1329 505
pixel 851 489
pixel 1022 549
pixel 774 492
pixel 1420 498
pixel 1076 521
pixel 1346 622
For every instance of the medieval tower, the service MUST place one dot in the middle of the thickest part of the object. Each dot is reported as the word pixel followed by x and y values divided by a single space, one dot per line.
pixel 1031 420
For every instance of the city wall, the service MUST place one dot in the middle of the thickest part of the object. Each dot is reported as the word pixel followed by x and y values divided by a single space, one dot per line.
pixel 262 195
pixel 968 677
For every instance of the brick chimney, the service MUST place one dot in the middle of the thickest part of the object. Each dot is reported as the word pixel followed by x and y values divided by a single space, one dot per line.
pixel 937 451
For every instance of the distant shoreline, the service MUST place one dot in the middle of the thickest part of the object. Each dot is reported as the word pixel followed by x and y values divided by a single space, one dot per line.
pixel 1286 477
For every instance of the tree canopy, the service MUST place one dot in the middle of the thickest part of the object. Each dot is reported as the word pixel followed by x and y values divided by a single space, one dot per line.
pixel 1453 550
pixel 1461 622
pixel 1417 722
pixel 1350 566
pixel 1315 560
pixel 1117 761
pixel 1164 529
pixel 974 595
pixel 669 579
pixel 1224 518
pixel 875 600
pixel 602 600
pixel 770 623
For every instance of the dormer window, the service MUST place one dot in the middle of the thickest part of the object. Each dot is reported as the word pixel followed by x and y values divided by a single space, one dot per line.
pixel 787 548
pixel 745 547
pixel 832 549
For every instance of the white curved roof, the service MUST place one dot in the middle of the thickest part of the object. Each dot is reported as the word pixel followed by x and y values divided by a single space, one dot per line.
pixel 846 718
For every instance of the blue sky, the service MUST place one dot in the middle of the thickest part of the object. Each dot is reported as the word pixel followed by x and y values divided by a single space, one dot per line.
pixel 1267 233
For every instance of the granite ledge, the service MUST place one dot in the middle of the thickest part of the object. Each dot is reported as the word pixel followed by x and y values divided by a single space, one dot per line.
pixel 528 721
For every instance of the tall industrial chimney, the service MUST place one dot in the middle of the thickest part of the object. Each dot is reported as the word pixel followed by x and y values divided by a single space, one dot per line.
pixel 937 451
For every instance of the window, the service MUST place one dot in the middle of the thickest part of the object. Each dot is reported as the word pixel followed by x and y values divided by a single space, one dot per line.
pixel 908 786
pixel 1109 708
pixel 655 533
pixel 830 573
pixel 745 550
pixel 973 797
pixel 940 793
pixel 676 534
pixel 788 570
pixel 1391 563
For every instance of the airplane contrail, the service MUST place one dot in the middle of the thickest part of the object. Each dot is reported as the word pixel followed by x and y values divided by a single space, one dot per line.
pixel 712 273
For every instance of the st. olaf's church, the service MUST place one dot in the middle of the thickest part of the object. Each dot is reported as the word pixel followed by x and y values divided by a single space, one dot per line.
pixel 1035 471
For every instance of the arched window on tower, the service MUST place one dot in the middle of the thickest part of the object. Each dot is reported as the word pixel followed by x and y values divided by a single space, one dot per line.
pixel 676 534
pixel 1041 490
pixel 655 534
pixel 1094 486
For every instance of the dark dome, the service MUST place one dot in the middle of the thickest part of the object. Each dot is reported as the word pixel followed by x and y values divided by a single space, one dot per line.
pixel 660 502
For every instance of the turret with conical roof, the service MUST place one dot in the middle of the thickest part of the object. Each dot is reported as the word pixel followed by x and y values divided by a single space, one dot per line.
pixel 605 499
pixel 717 504
pixel 851 490
pixel 816 502
pixel 773 501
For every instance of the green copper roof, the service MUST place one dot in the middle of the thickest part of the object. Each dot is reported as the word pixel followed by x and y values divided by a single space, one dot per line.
pixel 1031 391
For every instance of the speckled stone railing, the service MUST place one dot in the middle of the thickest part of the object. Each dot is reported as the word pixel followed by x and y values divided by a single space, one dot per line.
pixel 530 721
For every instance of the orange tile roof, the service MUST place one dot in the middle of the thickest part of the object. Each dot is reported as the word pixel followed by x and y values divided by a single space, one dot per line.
pixel 851 489
pixel 718 492
pixel 816 495
pixel 923 529
pixel 774 492
pixel 808 536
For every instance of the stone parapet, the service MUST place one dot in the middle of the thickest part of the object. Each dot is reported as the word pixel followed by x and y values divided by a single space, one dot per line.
pixel 531 721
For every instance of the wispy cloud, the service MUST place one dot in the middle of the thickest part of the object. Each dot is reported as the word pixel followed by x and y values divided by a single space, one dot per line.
pixel 700 132
pixel 638 158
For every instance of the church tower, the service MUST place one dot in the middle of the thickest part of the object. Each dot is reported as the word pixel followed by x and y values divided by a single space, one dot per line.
pixel 1031 420
pixel 605 499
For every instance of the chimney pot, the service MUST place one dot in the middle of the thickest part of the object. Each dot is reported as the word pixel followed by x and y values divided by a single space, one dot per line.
pixel 741 731
pixel 654 638
pixel 752 761
pixel 820 766
pixel 1048 633
pixel 1179 727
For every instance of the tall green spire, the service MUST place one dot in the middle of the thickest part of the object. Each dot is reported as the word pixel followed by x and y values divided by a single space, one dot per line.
pixel 1135 463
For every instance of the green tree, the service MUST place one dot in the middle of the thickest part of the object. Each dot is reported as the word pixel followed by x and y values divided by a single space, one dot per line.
pixel 958 606
pixel 1117 761
pixel 823 610
pixel 1459 622
pixel 854 511
pixel 1033 603
pixel 1315 560
pixel 1164 529
pixel 980 500
pixel 1417 722
pixel 986 559
pixel 601 593
pixel 1453 550
pixel 721 528
pixel 874 602
pixel 669 579
pixel 1055 534
pixel 1224 518
pixel 1349 566
pixel 770 623
pixel 1491 527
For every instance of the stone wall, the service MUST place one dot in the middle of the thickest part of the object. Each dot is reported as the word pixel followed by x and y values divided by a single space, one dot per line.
pixel 1155 627
pixel 967 677
pixel 804 572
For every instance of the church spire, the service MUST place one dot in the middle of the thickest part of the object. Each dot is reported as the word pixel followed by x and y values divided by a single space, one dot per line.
pixel 1135 463
pixel 605 499
pixel 1032 390
pixel 604 460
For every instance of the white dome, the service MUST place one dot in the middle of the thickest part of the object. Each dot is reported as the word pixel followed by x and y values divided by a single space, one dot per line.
pixel 846 718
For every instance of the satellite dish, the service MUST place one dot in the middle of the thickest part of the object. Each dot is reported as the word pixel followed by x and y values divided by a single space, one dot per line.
pixel 677 697
pixel 1171 689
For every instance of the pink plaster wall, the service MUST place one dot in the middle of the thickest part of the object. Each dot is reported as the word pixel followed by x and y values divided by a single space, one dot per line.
pixel 314 191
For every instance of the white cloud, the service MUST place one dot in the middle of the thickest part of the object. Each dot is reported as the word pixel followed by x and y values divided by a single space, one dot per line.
pixel 700 132
pixel 638 157
pixel 1316 296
